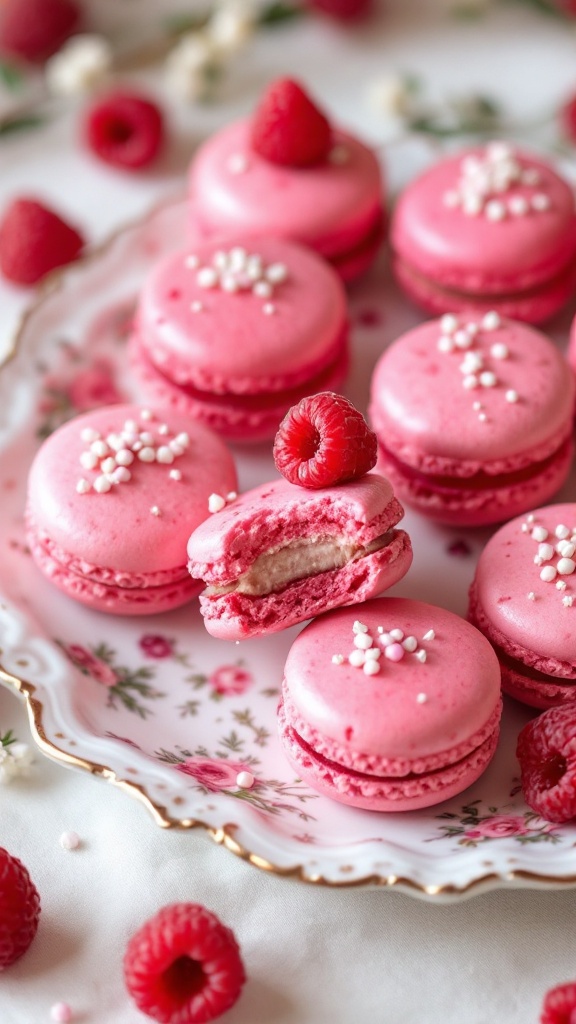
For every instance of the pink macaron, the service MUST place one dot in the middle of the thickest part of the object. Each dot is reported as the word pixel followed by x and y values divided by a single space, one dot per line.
pixel 572 346
pixel 233 335
pixel 335 205
pixel 112 498
pixel 392 706
pixel 281 554
pixel 523 598
pixel 488 228
pixel 474 418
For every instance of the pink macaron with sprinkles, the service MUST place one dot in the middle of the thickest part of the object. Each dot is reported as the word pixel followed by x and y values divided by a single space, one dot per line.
pixel 281 554
pixel 474 417
pixel 286 171
pixel 492 227
pixel 523 598
pixel 391 706
pixel 112 498
pixel 234 334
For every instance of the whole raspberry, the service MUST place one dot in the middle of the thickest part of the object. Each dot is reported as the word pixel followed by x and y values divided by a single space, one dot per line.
pixel 344 10
pixel 288 128
pixel 35 29
pixel 35 240
pixel 19 909
pixel 324 440
pixel 546 751
pixel 560 1005
pixel 183 966
pixel 125 130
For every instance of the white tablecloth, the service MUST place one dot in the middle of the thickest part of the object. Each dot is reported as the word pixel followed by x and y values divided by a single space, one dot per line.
pixel 312 955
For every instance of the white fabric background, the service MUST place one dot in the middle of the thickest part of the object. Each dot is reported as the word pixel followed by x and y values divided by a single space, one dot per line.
pixel 313 955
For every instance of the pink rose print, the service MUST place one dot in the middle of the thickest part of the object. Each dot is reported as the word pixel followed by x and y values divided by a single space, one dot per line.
pixel 92 388
pixel 155 646
pixel 229 679
pixel 499 827
pixel 212 774
pixel 91 665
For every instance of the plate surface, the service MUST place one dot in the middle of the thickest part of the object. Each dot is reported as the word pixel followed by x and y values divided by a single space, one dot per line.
pixel 169 714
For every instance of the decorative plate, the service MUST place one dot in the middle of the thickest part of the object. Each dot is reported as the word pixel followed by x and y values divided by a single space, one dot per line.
pixel 157 707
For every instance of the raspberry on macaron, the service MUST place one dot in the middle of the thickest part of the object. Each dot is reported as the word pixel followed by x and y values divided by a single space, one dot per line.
pixel 183 966
pixel 35 240
pixel 288 128
pixel 324 440
pixel 124 129
pixel 19 909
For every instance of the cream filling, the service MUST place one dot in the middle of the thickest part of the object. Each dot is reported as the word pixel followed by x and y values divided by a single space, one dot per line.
pixel 275 569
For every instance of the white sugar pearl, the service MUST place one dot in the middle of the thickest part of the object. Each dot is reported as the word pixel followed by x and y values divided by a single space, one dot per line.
pixel 421 698
pixel 548 573
pixel 263 289
pixel 518 206
pixel 445 344
pixel 83 486
pixel 88 435
pixel 488 379
pixel 165 455
pixel 146 437
pixel 182 439
pixel 147 455
pixel 498 150
pixel 511 396
pixel 359 627
pixel 394 652
pixel 566 566
pixel 449 323
pixel 499 350
pixel 220 260
pixel 539 533
pixel 276 273
pixel 491 321
pixel 176 448
pixel 472 361
pixel 207 278
pixel 356 658
pixel 175 474
pixel 231 496
pixel 216 503
pixel 430 635
pixel 130 426
pixel 385 638
pixel 472 205
pixel 337 659
pixel 495 210
pixel 371 668
pixel 121 475
pixel 155 511
pixel 238 257
pixel 124 457
pixel 61 1013
pixel 546 552
pixel 373 653
pixel 115 442
pixel 245 780
pixel 102 484
pixel 482 417
pixel 540 202
pixel 463 339
pixel 470 382
pixel 228 283
pixel 268 308
pixel 562 532
pixel 69 840
pixel 421 655
pixel 410 644
pixel 100 448
pixel 566 548
pixel 477 406
pixel 146 415
pixel 191 262
pixel 362 641
pixel 88 460
pixel 567 601
pixel 397 634
pixel 108 465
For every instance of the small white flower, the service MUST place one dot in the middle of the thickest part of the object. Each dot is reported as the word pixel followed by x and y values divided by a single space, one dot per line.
pixel 79 66
pixel 390 95
pixel 231 26
pixel 15 759
pixel 187 66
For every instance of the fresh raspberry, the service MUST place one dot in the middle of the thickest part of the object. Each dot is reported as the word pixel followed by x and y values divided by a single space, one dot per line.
pixel 35 240
pixel 344 10
pixel 288 128
pixel 324 440
pixel 183 966
pixel 547 753
pixel 125 130
pixel 560 1005
pixel 35 29
pixel 19 909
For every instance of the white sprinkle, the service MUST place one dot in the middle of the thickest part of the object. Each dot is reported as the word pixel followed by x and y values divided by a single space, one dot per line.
pixel 359 627
pixel 237 163
pixel 561 585
pixel 88 460
pixel 472 205
pixel 430 635
pixel 518 206
pixel 540 202
pixel 183 439
pixel 88 435
pixel 276 273
pixel 83 486
pixel 124 457
pixel 207 278
pixel 363 641
pixel 231 496
pixel 539 533
pixel 69 840
pixel 371 667
pixel 155 510
pixel 357 658
pixel 499 350
pixel 220 260
pixel 337 659
pixel 373 653
pixel 61 1013
pixel 470 382
pixel 108 465
pixel 567 601
pixel 538 560
pixel 147 455
pixel 146 415
pixel 482 417
pixel 268 308
pixel 102 484
pixel 100 448
pixel 491 321
pixel 566 566
pixel 146 437
pixel 385 639
pixel 397 634
pixel 495 210
pixel 115 442
pixel 176 448
pixel 421 698
pixel 477 406
pixel 175 474
pixel 229 283
pixel 488 379
pixel 410 644
pixel 380 629
pixel 449 323
pixel 548 573
pixel 121 475
pixel 498 150
pixel 196 306
pixel 546 552
pixel 531 518
pixel 472 361
pixel 562 532
pixel 421 655
pixel 531 596
pixel 238 257
pixel 445 344
pixel 463 339
pixel 511 396
pixel 191 262
pixel 130 426
pixel 165 454
pixel 394 652
pixel 245 780
pixel 339 155
pixel 216 503
pixel 566 548
pixel 263 289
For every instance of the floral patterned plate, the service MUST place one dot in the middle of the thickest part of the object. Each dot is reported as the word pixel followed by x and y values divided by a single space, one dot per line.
pixel 157 707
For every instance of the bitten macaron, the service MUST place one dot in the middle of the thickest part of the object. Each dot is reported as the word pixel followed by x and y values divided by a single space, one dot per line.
pixel 254 176
pixel 523 599
pixel 492 227
pixel 474 418
pixel 234 334
pixel 281 554
pixel 391 706
pixel 112 498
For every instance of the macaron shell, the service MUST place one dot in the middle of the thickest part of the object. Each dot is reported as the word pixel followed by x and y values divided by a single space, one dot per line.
pixel 473 253
pixel 424 415
pixel 331 206
pixel 380 714
pixel 117 529
pixel 540 632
